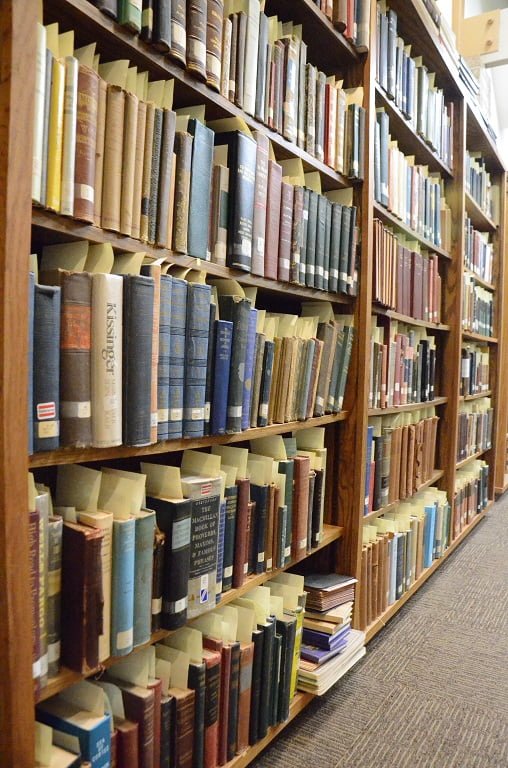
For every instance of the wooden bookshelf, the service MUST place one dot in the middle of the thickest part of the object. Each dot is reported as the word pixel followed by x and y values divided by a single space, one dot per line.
pixel 479 218
pixel 408 407
pixel 437 475
pixel 479 337
pixel 477 455
pixel 378 310
pixel 476 396
pixel 479 280
pixel 380 212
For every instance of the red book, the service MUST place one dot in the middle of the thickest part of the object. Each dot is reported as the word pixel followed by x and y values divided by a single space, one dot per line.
pixel 184 727
pixel 244 698
pixel 155 685
pixel 272 219
pixel 212 661
pixel 241 555
pixel 300 506
pixel 139 707
pixel 127 743
pixel 213 644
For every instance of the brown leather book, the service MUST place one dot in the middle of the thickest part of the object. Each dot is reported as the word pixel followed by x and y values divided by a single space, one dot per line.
pixel 214 24
pixel 113 158
pixel 363 590
pixel 411 443
pixel 403 463
pixel 260 201
pixel 138 170
pixel 178 46
pixel 196 37
pixel 82 598
pixel 244 697
pixel 300 506
pixel 127 743
pixel 164 236
pixel 270 532
pixel 278 93
pixel 232 59
pixel 273 201
pixel 183 150
pixel 225 689
pixel 285 231
pixel 370 614
pixel 113 761
pixel 289 352
pixel 139 705
pixel 86 138
pixel 155 685
pixel 381 565
pixel 129 162
pixel 75 350
pixel 241 552
pixel 99 151
pixel 184 736
pixel 375 576
pixel 212 661
pixel 147 172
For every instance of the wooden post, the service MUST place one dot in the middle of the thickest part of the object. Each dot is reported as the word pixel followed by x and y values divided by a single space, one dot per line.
pixel 17 76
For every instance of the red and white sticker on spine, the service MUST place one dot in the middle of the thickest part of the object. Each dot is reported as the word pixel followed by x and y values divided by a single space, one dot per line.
pixel 46 411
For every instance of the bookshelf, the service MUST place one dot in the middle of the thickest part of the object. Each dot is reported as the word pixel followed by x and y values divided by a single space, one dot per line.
pixel 346 432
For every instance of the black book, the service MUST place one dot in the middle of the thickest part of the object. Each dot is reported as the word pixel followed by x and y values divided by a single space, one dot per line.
pixel 275 681
pixel 161 38
pixel 305 228
pixel 234 691
pixel 147 20
pixel 264 712
pixel 108 7
pixel 173 519
pixel 320 242
pixel 335 235
pixel 399 580
pixel 310 506
pixel 287 467
pixel 257 670
pixel 317 505
pixel 210 368
pixel 138 298
pixel 236 310
pixel 345 240
pixel 197 683
pixel 286 628
pixel 266 383
pixel 231 494
pixel 168 713
pixel 328 240
pixel 163 362
pixel 260 494
pixel 378 474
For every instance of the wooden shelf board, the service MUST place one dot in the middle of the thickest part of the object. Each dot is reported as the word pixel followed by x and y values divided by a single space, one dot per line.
pixel 384 214
pixel 408 407
pixel 438 474
pixel 479 337
pixel 67 677
pixel 74 455
pixel 479 219
pixel 476 455
pixel 480 280
pixel 500 491
pixel 382 620
pixel 393 315
pixel 478 395
pixel 409 141
pixel 65 228
pixel 478 137
pixel 93 26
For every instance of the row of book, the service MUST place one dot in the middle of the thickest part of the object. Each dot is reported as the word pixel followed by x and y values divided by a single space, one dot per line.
pixel 351 17
pixel 398 547
pixel 474 377
pixel 401 451
pixel 404 279
pixel 141 551
pixel 409 191
pixel 477 307
pixel 136 358
pixel 478 252
pixel 479 183
pixel 407 81
pixel 471 493
pixel 475 427
pixel 198 698
pixel 119 157
pixel 402 364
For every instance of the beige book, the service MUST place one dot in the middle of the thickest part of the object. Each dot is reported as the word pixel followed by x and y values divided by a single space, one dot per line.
pixel 99 152
pixel 113 157
pixel 69 135
pixel 128 162
pixel 226 57
pixel 138 170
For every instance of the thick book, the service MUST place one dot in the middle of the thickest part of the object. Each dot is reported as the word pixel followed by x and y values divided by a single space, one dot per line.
pixel 161 35
pixel 241 553
pixel 203 544
pixel 196 355
pixel 113 149
pixel 177 358
pixel 210 358
pixel 236 310
pixel 166 286
pixel 128 162
pixel 244 696
pixel 273 212
pixel 162 195
pixel 139 706
pixel 138 299
pixel 260 201
pixel 152 198
pixel 249 367
pixel 259 494
pixel 252 726
pixel 197 683
pixel 127 742
pixel 122 587
pixel 46 368
pixel 218 230
pixel 86 138
pixel 266 681
pixel 129 14
pixel 53 594
pixel 266 383
pixel 183 150
pixel 223 330
pixel 214 26
pixel 143 570
pixel 81 596
pixel 178 46
pixel 240 158
pixel 196 38
pixel 234 687
pixel 174 520
pixel 300 505
pixel 286 627
pixel 200 183
pixel 184 726
pixel 212 660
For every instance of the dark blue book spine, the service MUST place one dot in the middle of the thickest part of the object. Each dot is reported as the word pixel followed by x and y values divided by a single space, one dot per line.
pixel 196 357
pixel 200 185
pixel 46 368
pixel 266 383
pixel 236 310
pixel 287 468
pixel 138 299
pixel 210 369
pixel 259 494
pixel 163 364
pixel 177 357
pixel 31 300
pixel 249 368
pixel 231 494
pixel 223 331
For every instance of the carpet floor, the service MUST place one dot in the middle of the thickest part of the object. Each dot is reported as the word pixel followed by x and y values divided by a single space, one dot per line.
pixel 432 691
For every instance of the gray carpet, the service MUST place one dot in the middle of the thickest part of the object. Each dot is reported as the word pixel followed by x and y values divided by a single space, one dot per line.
pixel 433 688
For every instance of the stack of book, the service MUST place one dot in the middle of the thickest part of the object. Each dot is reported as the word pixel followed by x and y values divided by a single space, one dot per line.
pixel 474 369
pixel 477 307
pixel 398 546
pixel 479 183
pixel 329 646
pixel 132 354
pixel 409 191
pixel 401 452
pixel 122 554
pixel 405 279
pixel 478 252
pixel 468 78
pixel 475 427
pixel 471 493
pixel 409 83
pixel 403 363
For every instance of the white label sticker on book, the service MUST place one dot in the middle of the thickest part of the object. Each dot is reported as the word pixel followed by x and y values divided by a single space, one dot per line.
pixel 228 571
pixel 263 410
pixel 287 552
pixel 181 534
pixel 75 410
pixel 175 414
pixel 245 568
pixel 53 652
pixel 203 589
pixel 124 639
pixel 261 557
pixel 156 605
pixel 48 429
pixel 269 564
pixel 147 17
pixel 245 246
pixel 154 419
pixel 85 192
pixel 302 544
pixel 162 414
pixel 207 411
pixel 46 411
pixel 36 669
pixel 180 605
pixel 178 36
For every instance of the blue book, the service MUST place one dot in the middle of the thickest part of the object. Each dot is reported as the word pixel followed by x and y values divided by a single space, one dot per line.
pixel 31 299
pixel 266 383
pixel 249 368
pixel 223 331
pixel 323 639
pixel 196 357
pixel 370 438
pixel 428 535
pixel 177 358
pixel 210 368
pixel 163 364
pixel 220 549
pixel 122 586
pixel 287 467
pixel 236 309
pixel 320 655
pixel 46 368
pixel 143 570
pixel 92 731
pixel 200 185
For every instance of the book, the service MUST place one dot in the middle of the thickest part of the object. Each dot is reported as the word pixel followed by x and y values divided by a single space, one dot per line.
pixel 46 366
pixel 196 351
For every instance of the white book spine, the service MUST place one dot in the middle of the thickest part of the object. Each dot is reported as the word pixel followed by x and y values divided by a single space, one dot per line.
pixel 40 79
pixel 69 135
pixel 251 57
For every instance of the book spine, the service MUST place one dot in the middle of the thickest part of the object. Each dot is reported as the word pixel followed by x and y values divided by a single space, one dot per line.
pixel 266 383
pixel 285 232
pixel 220 550
pixel 260 202
pixel 33 534
pixel 234 682
pixel 86 140
pixel 147 20
pixel 196 37
pixel 273 209
pixel 46 368
pixel 162 233
pixel 45 125
pixel 155 166
pixel 229 537
pixel 99 152
pixel 164 357
pixel 241 533
pixel 211 719
pixel 177 358
pixel 161 37
pixel 249 367
pixel 147 171
pixel 196 352
pixel 199 196
pixel 210 360
pixel 143 572
pixel 55 136
pixel 157 580
pixel 203 562
pixel 53 596
pixel 128 162
pixel 241 210
pixel 122 587
pixel 197 683
pixel 154 272
pixel 183 149
pixel 129 14
pixel 112 169
pixel 227 31
pixel 38 132
pixel 214 25
pixel 237 311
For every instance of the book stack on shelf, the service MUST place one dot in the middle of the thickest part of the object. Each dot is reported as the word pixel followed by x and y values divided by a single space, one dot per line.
pixel 475 371
pixel 475 428
pixel 329 646
pixel 471 494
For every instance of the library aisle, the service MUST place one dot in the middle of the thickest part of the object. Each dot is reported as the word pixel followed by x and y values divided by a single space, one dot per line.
pixel 433 688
